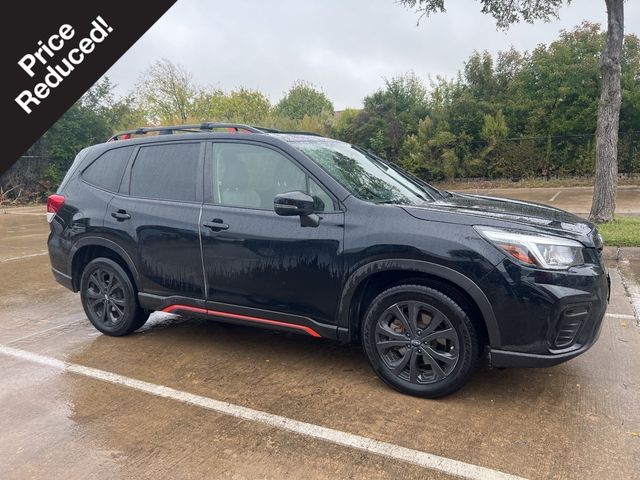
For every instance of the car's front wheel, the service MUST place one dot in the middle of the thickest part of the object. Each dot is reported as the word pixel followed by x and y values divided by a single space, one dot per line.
pixel 419 341
pixel 109 298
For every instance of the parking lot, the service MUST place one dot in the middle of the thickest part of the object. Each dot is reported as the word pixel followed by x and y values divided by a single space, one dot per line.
pixel 573 199
pixel 186 398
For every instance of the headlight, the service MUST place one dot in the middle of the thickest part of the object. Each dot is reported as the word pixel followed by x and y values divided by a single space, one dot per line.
pixel 543 251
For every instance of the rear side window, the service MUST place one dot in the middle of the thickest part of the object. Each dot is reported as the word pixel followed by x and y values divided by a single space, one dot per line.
pixel 107 170
pixel 168 172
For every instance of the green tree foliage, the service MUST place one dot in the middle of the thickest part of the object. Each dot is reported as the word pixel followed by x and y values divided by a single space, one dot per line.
pixel 90 120
pixel 505 12
pixel 303 99
pixel 241 106
pixel 245 106
pixel 167 93
pixel 508 12
pixel 516 115
pixel 389 115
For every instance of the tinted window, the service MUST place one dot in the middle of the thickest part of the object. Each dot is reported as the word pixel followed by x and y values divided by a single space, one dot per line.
pixel 364 176
pixel 166 171
pixel 251 176
pixel 322 200
pixel 107 170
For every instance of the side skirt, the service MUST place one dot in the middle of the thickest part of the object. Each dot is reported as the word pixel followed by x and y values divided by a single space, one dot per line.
pixel 236 314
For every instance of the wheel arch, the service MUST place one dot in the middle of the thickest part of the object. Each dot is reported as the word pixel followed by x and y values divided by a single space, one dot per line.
pixel 88 248
pixel 379 275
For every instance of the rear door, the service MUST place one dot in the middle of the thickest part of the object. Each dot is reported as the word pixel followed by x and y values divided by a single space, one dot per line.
pixel 156 218
pixel 256 259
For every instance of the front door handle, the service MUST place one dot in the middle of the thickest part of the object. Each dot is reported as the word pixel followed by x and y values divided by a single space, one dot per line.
pixel 216 225
pixel 120 215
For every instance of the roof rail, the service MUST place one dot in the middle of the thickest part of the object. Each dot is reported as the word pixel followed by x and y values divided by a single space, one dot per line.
pixel 291 132
pixel 300 132
pixel 193 128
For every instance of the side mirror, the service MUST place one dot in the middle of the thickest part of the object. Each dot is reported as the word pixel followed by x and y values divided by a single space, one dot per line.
pixel 297 203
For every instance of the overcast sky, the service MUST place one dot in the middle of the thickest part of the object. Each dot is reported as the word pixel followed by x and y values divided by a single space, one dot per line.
pixel 346 47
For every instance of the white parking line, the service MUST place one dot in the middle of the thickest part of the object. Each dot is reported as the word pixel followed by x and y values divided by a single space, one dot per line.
pixel 555 196
pixel 42 213
pixel 40 332
pixel 620 315
pixel 23 256
pixel 396 452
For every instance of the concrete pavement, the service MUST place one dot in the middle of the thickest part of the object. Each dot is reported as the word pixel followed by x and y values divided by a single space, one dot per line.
pixel 573 199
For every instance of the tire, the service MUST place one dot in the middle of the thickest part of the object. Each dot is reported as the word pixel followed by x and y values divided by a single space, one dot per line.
pixel 419 341
pixel 109 298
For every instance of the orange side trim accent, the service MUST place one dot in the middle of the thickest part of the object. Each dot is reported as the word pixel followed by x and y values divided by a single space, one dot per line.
pixel 171 308
pixel 237 316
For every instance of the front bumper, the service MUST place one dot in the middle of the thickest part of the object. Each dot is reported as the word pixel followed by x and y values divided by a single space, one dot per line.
pixel 545 318
pixel 505 359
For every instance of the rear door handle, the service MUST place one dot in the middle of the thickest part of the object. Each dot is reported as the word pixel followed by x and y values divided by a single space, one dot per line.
pixel 216 225
pixel 120 215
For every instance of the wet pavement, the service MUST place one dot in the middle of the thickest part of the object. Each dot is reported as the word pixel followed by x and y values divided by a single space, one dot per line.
pixel 573 199
pixel 577 420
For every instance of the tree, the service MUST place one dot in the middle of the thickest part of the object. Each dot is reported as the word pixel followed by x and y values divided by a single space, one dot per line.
pixel 167 93
pixel 344 126
pixel 389 115
pixel 508 12
pixel 604 190
pixel 85 123
pixel 120 114
pixel 245 106
pixel 302 99
pixel 209 105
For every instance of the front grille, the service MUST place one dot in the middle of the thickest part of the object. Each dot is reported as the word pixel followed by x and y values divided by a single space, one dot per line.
pixel 571 319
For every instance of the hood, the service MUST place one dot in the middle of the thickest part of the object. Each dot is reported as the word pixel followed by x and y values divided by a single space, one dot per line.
pixel 551 220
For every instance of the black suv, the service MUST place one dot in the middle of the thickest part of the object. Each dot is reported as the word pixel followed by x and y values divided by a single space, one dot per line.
pixel 307 234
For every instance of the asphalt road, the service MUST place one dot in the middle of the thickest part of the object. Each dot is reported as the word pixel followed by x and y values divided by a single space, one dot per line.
pixel 188 398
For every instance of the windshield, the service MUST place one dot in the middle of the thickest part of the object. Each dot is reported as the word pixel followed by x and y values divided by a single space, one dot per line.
pixel 364 176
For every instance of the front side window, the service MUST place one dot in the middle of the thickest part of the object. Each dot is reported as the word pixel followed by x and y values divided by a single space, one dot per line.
pixel 107 170
pixel 251 176
pixel 364 176
pixel 168 172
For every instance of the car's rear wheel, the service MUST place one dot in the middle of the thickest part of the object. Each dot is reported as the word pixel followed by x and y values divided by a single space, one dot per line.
pixel 419 341
pixel 109 298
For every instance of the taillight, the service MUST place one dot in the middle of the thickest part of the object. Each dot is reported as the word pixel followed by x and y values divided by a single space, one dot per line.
pixel 54 204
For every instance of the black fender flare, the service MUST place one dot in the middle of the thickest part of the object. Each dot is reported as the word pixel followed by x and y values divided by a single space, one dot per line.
pixel 461 281
pixel 102 242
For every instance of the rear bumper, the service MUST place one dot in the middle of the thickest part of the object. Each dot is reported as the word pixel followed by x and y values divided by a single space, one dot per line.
pixel 62 278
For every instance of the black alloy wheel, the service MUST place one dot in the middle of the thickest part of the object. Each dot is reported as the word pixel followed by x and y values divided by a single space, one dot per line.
pixel 109 298
pixel 105 297
pixel 419 341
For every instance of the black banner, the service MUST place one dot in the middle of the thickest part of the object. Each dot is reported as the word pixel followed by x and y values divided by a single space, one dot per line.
pixel 53 52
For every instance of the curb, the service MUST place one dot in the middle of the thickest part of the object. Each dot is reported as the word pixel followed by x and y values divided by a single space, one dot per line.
pixel 617 253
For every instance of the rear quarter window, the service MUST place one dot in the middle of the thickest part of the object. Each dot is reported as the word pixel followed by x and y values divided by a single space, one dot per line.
pixel 107 170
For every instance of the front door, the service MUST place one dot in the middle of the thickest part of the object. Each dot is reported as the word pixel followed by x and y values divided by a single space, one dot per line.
pixel 254 258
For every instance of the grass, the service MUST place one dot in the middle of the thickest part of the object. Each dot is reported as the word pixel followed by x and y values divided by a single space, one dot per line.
pixel 622 232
